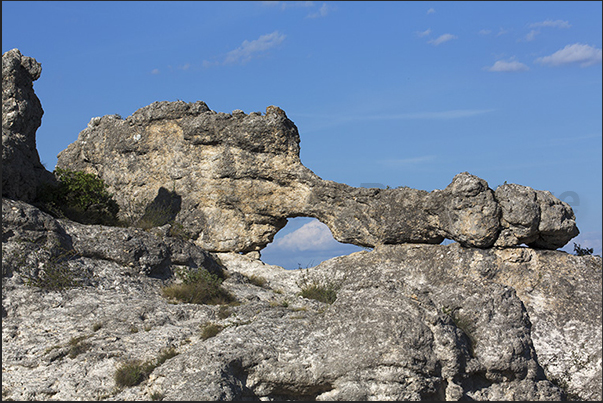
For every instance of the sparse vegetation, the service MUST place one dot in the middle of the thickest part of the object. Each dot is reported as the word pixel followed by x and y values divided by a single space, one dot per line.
pixel 580 251
pixel 133 372
pixel 224 312
pixel 209 330
pixel 129 374
pixel 80 197
pixel 199 287
pixel 318 287
pixel 77 345
pixel 55 274
pixel 257 280
pixel 156 395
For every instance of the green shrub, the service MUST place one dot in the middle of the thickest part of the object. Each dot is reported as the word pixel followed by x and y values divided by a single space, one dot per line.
pixel 580 251
pixel 80 197
pixel 199 287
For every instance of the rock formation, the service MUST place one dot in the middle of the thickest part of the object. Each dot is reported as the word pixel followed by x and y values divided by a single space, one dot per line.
pixel 410 322
pixel 480 319
pixel 239 177
pixel 22 113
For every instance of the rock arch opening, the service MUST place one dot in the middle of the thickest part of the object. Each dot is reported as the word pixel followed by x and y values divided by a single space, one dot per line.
pixel 304 242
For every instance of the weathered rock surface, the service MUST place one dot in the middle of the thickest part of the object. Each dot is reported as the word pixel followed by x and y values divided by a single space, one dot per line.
pixel 22 113
pixel 413 321
pixel 238 177
pixel 410 321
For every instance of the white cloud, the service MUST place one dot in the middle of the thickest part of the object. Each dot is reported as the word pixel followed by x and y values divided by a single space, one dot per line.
pixel 441 39
pixel 249 49
pixel 502 31
pixel 431 11
pixel 288 4
pixel 484 32
pixel 585 55
pixel 311 236
pixel 502 65
pixel 155 71
pixel 531 35
pixel 424 33
pixel 322 12
pixel 551 23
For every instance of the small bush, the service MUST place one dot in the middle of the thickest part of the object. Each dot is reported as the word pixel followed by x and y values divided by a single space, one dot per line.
pixel 199 287
pixel 257 280
pixel 318 288
pixel 56 274
pixel 224 312
pixel 210 330
pixel 580 251
pixel 165 355
pixel 131 373
pixel 80 197
pixel 77 345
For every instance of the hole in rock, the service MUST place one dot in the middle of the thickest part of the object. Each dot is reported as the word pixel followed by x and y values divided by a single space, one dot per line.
pixel 446 241
pixel 304 242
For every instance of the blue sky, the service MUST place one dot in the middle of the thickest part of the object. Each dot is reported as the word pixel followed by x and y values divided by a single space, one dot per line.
pixel 396 93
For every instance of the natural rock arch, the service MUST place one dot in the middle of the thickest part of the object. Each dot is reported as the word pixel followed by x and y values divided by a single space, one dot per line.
pixel 240 177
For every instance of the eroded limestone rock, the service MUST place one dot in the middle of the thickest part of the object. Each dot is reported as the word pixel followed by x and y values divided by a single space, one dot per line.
pixel 410 322
pixel 238 177
pixel 22 113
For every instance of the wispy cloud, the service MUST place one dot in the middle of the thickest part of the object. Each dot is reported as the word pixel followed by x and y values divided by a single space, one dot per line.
pixel 155 71
pixel 323 11
pixel 249 49
pixel 441 39
pixel 551 23
pixel 503 66
pixel 288 4
pixel 423 33
pixel 311 236
pixel 502 31
pixel 585 55
pixel 544 24
pixel 431 11
pixel 531 35
pixel 485 32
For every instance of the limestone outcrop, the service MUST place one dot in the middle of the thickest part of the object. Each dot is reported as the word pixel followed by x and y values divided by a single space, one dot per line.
pixel 22 112
pixel 478 319
pixel 238 177
pixel 409 322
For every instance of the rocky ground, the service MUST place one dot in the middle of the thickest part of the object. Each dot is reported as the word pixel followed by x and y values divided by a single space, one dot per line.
pixel 410 322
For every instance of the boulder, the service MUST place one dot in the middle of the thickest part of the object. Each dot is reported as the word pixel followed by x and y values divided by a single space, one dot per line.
pixel 22 171
pixel 238 177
